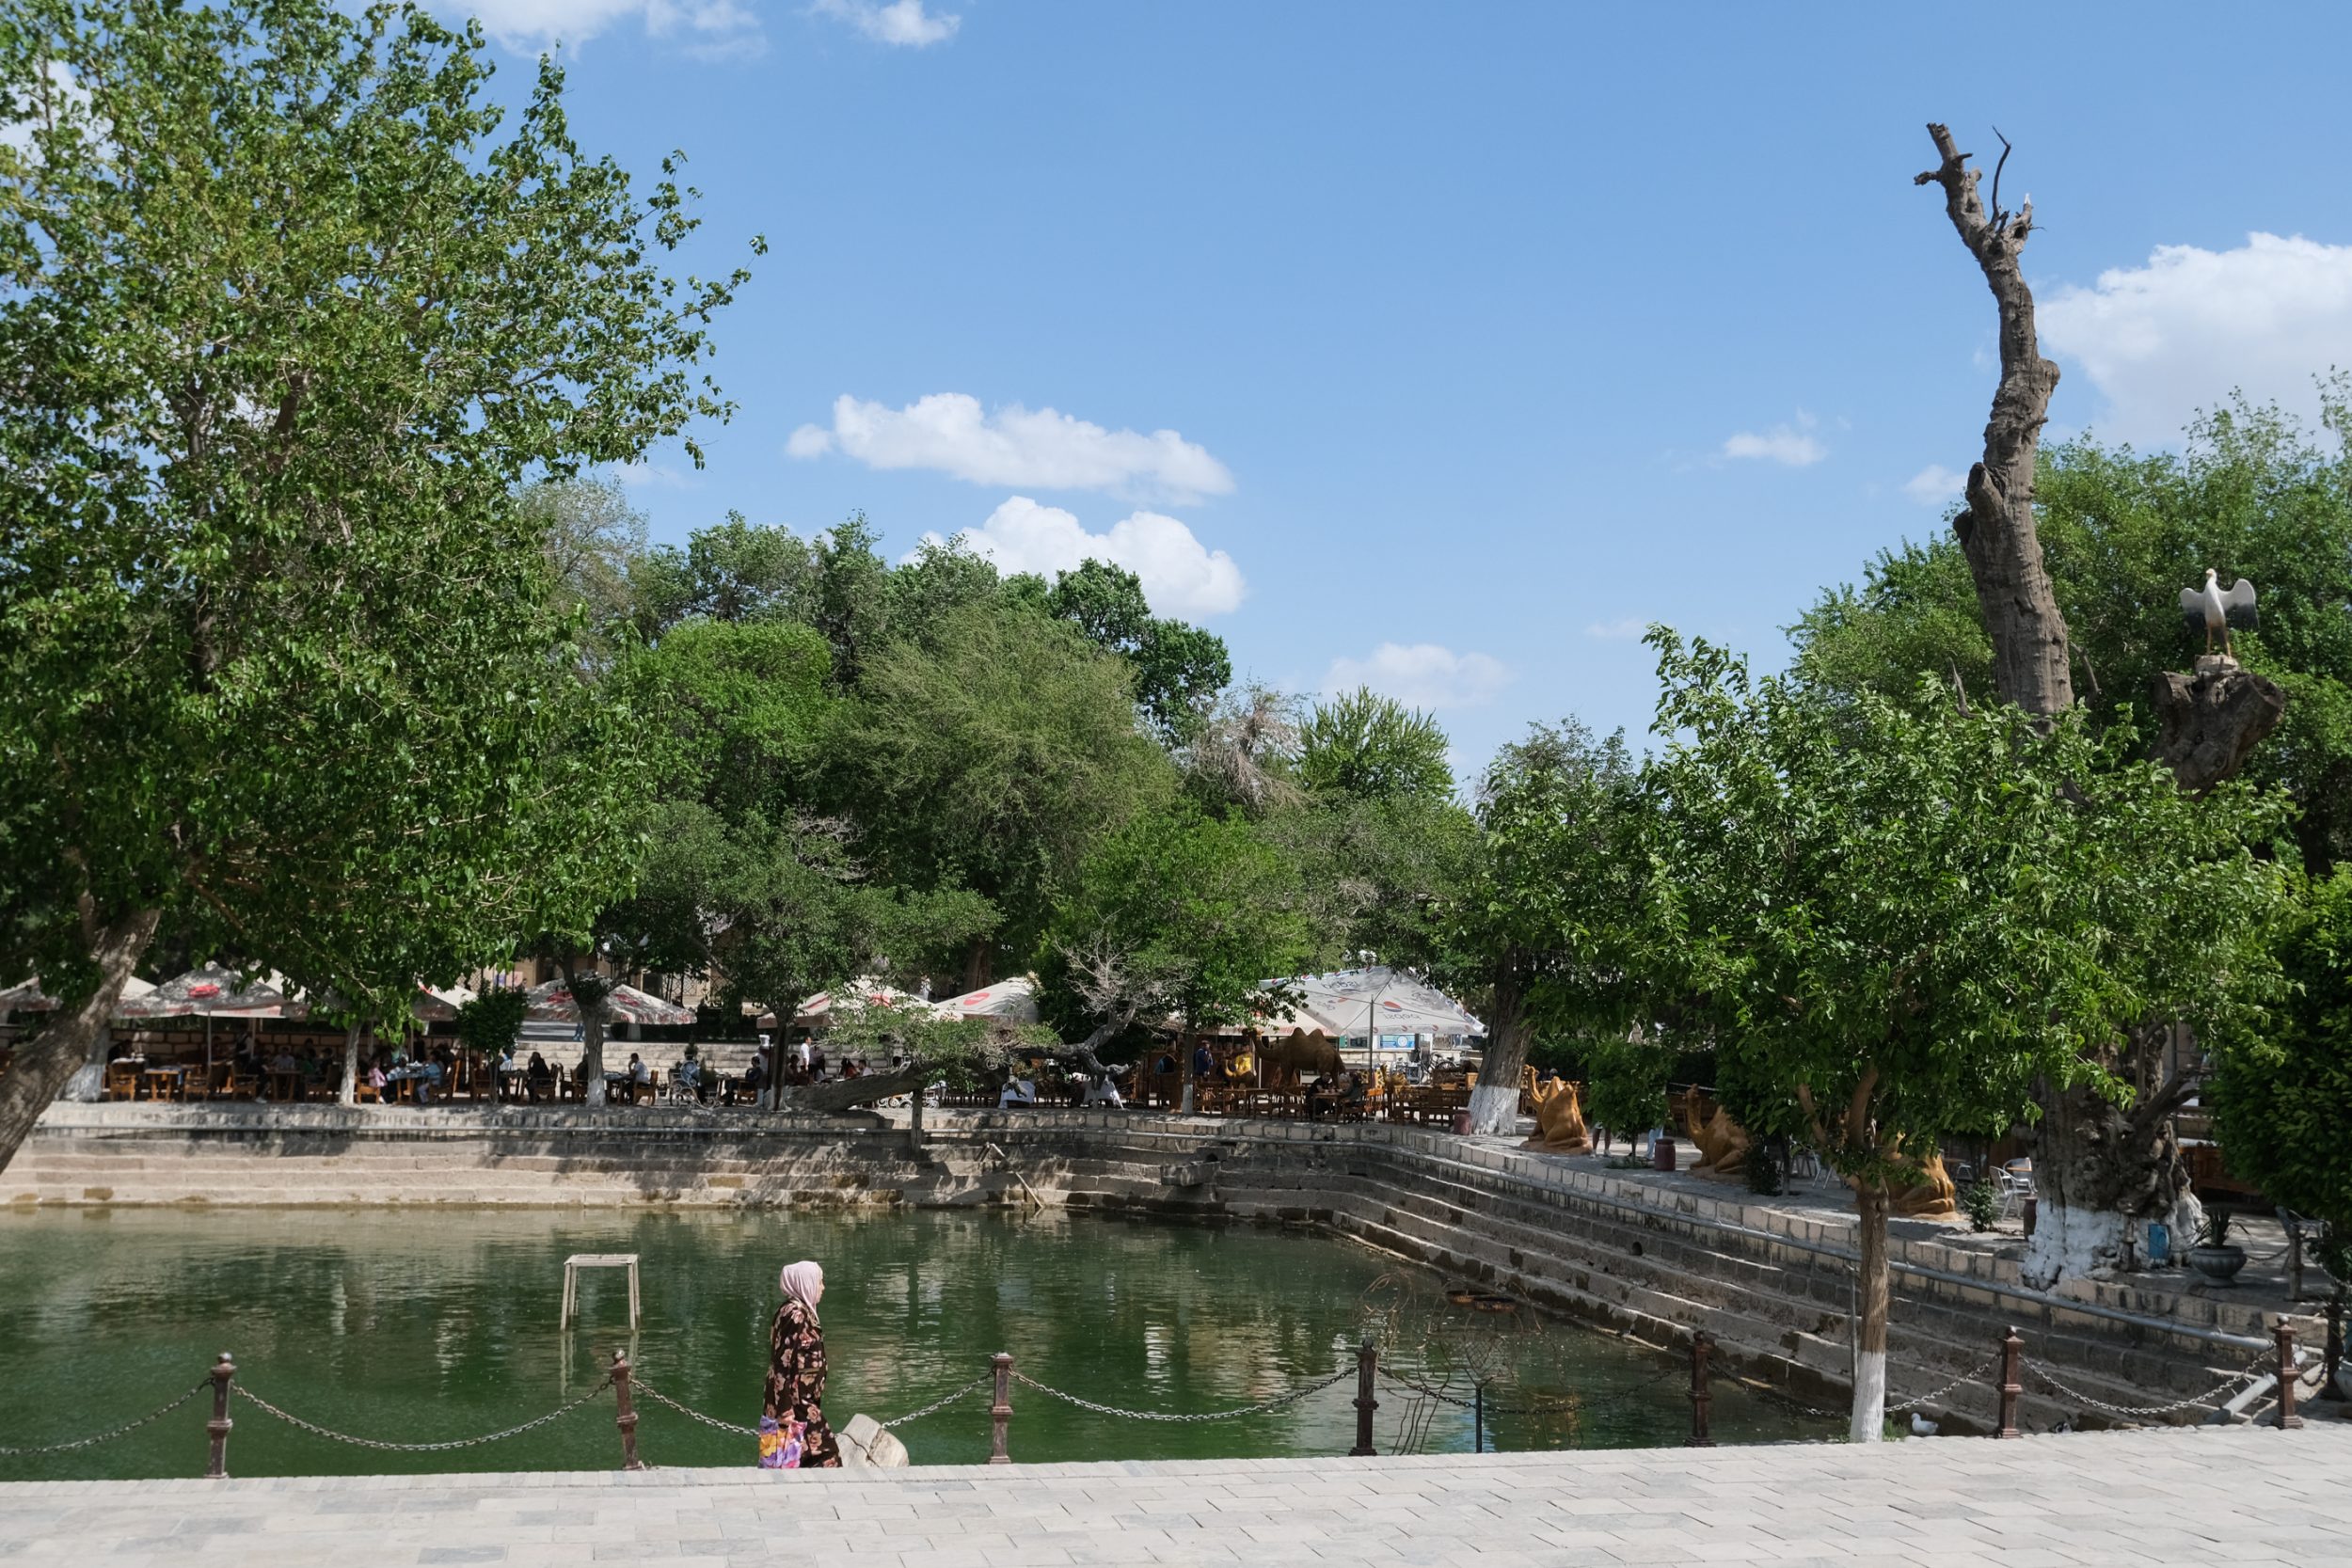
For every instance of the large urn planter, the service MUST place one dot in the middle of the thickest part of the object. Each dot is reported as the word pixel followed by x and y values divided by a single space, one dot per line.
pixel 2219 1264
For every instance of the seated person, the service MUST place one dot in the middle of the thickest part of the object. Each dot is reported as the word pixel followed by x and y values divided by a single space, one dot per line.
pixel 1203 1061
pixel 755 1081
pixel 1166 1064
pixel 687 1075
pixel 284 1061
pixel 1017 1091
pixel 538 1079
pixel 1103 1091
pixel 853 1067
pixel 817 1062
pixel 640 1078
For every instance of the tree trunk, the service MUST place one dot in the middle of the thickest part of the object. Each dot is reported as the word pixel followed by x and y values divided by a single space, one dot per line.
pixel 592 1054
pixel 978 960
pixel 2102 1171
pixel 1996 527
pixel 1184 1059
pixel 1868 1420
pixel 1494 1104
pixel 2210 722
pixel 47 1061
pixel 845 1094
pixel 349 1093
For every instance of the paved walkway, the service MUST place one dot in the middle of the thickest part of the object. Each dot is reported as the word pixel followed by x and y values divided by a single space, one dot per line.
pixel 2241 1495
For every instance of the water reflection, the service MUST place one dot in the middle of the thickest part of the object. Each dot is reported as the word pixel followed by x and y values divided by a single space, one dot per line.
pixel 420 1326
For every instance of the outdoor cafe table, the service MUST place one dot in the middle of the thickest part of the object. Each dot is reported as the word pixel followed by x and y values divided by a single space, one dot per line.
pixel 164 1082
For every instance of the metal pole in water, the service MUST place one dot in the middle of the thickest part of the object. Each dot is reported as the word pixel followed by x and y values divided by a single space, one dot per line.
pixel 627 1418
pixel 1367 1367
pixel 224 1372
pixel 1000 1413
pixel 1701 1395
pixel 2013 1384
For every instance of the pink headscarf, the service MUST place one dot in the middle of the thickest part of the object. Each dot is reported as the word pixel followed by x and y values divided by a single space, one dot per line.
pixel 802 1282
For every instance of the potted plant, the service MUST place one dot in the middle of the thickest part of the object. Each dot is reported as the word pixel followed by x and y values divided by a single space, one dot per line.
pixel 2215 1256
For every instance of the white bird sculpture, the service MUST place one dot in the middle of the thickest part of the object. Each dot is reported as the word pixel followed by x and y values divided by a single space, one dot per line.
pixel 2214 613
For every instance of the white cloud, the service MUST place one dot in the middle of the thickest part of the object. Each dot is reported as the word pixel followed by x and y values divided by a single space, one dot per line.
pixel 2162 341
pixel 1181 576
pixel 1934 485
pixel 1422 675
pixel 901 22
pixel 1792 445
pixel 1632 626
pixel 707 27
pixel 949 433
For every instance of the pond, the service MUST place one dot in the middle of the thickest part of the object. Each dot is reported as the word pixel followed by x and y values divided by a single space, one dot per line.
pixel 413 1325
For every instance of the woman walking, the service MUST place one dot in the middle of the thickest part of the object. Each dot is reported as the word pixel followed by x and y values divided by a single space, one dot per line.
pixel 795 1398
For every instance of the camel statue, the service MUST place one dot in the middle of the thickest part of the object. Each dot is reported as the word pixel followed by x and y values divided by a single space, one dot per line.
pixel 1930 1197
pixel 1721 1143
pixel 1559 1119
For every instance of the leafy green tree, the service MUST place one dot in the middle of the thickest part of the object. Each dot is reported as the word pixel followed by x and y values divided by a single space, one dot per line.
pixel 1204 906
pixel 288 312
pixel 1375 748
pixel 994 753
pixel 736 570
pixel 2283 1099
pixel 1549 924
pixel 1242 757
pixel 1179 667
pixel 2251 494
pixel 591 536
pixel 741 876
pixel 1911 917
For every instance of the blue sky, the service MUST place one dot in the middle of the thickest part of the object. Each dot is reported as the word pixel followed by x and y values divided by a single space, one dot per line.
pixel 1444 346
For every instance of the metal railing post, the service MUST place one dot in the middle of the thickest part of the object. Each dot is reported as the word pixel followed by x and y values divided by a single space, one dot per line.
pixel 2013 1384
pixel 224 1372
pixel 1702 1396
pixel 626 1417
pixel 1478 1417
pixel 2288 1376
pixel 1000 1413
pixel 1367 1369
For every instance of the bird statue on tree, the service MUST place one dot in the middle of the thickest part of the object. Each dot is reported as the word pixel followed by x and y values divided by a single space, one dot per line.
pixel 2215 612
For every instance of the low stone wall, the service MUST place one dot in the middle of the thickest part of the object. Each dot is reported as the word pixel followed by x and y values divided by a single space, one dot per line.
pixel 1644 1254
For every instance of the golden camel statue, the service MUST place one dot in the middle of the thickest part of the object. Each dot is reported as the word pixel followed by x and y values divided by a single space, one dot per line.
pixel 1721 1143
pixel 1930 1197
pixel 1559 1119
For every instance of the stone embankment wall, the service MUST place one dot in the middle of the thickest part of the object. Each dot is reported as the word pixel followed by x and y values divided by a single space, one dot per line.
pixel 1647 1257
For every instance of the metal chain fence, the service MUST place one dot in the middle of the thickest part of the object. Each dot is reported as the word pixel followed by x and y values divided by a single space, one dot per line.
pixel 931 1409
pixel 108 1436
pixel 1971 1376
pixel 317 1431
pixel 1291 1398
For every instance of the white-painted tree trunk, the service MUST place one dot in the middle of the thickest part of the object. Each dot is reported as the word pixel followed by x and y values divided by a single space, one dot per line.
pixel 89 1083
pixel 592 1056
pixel 349 1093
pixel 1868 1422
pixel 2070 1242
pixel 1494 1108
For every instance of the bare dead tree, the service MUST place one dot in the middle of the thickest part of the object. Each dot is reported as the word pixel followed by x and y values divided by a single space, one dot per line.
pixel 2102 1166
pixel 1996 527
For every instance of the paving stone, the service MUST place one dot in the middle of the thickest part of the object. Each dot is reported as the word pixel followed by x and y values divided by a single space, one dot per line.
pixel 2244 1495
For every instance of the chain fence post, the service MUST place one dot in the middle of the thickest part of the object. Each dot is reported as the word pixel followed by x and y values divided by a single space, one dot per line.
pixel 1367 1369
pixel 1000 1413
pixel 1702 1394
pixel 1478 1417
pixel 224 1372
pixel 2287 1418
pixel 626 1416
pixel 2013 1384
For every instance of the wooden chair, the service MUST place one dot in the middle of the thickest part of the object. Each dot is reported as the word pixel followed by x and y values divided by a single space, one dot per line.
pixel 122 1081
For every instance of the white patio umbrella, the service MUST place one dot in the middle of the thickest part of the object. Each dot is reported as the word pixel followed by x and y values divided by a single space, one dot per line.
pixel 439 1005
pixel 1381 1001
pixel 29 997
pixel 865 991
pixel 553 1002
pixel 1012 1001
pixel 209 991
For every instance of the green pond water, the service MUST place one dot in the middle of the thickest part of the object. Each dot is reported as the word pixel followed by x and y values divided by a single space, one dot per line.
pixel 418 1327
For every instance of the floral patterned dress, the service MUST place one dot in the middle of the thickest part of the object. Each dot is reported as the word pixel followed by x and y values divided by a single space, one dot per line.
pixel 796 1383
